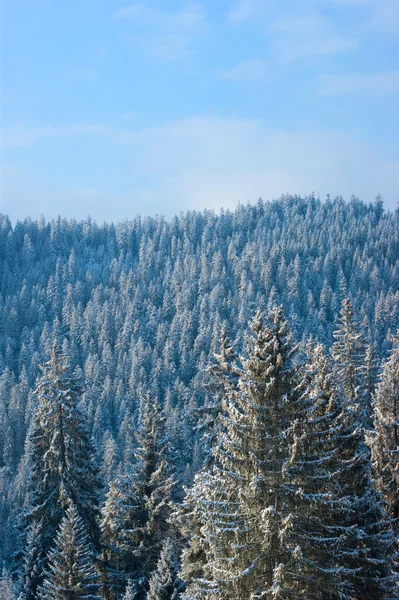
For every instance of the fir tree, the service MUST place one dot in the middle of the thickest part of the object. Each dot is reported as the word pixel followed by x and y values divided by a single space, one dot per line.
pixel 71 573
pixel 222 375
pixel 370 557
pixel 241 502
pixel 348 353
pixel 62 465
pixel 385 442
pixel 137 505
pixel 165 583
pixel 130 592
pixel 34 560
pixel 317 536
pixel 6 587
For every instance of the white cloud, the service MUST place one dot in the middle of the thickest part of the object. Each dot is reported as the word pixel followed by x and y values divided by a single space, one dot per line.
pixel 300 26
pixel 307 37
pixel 25 136
pixel 165 36
pixel 241 11
pixel 375 83
pixel 208 162
pixel 385 19
pixel 314 48
pixel 252 70
pixel 382 16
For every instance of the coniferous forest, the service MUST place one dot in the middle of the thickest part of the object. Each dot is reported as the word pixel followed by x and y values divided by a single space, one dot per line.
pixel 205 408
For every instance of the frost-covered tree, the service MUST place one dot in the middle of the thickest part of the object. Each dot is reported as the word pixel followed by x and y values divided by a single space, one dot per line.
pixel 164 582
pixel 7 587
pixel 71 573
pixel 130 592
pixel 317 536
pixel 33 561
pixel 385 442
pixel 348 352
pixel 373 546
pixel 222 375
pixel 241 503
pixel 62 467
pixel 137 506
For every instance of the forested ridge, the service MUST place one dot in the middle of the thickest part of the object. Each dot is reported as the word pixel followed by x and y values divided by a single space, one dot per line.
pixel 202 408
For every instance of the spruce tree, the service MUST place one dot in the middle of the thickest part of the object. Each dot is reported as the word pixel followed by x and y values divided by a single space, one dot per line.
pixel 130 592
pixel 165 583
pixel 370 558
pixel 71 573
pixel 62 467
pixel 34 560
pixel 385 442
pixel 317 536
pixel 222 377
pixel 241 501
pixel 348 352
pixel 6 587
pixel 138 502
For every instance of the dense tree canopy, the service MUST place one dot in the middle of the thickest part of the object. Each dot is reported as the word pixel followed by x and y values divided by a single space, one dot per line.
pixel 129 322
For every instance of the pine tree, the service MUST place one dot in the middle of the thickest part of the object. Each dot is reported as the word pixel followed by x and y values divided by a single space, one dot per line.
pixel 165 583
pixel 348 353
pixel 222 375
pixel 130 592
pixel 385 442
pixel 317 536
pixel 370 377
pixel 241 502
pixel 71 572
pixel 373 546
pixel 137 506
pixel 6 587
pixel 62 465
pixel 34 560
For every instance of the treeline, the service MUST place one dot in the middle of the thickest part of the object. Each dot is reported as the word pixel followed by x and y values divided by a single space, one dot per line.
pixel 297 498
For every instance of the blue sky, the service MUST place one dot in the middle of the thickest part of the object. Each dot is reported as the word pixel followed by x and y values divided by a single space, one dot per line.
pixel 113 109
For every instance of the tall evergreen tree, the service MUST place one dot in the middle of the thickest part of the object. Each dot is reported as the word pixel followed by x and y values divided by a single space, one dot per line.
pixel 130 592
pixel 34 561
pixel 222 375
pixel 372 552
pixel 385 442
pixel 318 537
pixel 241 503
pixel 71 573
pixel 137 506
pixel 6 587
pixel 348 352
pixel 62 465
pixel 164 582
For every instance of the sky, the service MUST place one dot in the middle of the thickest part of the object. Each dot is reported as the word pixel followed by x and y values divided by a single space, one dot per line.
pixel 113 109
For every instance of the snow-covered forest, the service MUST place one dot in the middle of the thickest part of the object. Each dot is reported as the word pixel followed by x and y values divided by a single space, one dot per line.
pixel 201 409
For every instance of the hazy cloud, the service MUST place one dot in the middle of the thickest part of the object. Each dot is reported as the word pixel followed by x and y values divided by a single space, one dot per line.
pixel 253 70
pixel 25 136
pixel 165 36
pixel 210 162
pixel 241 11
pixel 375 83
pixel 307 37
